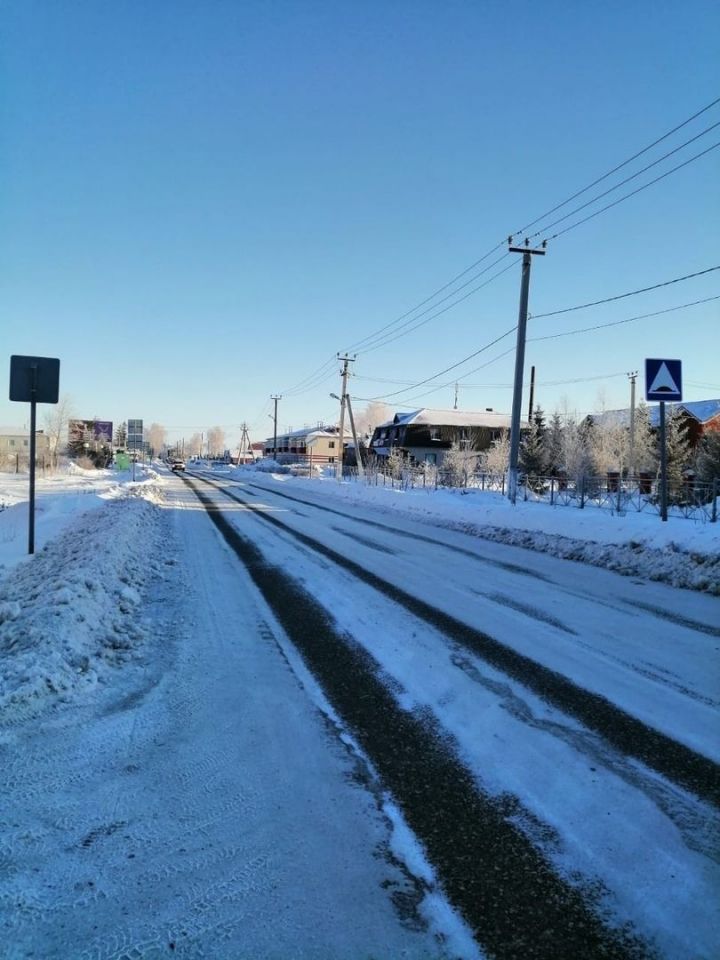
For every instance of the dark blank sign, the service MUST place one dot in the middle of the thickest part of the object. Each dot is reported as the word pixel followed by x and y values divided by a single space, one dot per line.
pixel 34 378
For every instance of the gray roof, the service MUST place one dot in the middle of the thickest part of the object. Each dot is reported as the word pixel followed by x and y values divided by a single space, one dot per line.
pixel 700 410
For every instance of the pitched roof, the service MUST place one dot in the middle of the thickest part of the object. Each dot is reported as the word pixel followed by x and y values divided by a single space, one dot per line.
pixel 430 417
pixel 700 410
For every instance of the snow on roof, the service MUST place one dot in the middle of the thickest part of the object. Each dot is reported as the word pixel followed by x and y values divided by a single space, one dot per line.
pixel 428 416
pixel 701 410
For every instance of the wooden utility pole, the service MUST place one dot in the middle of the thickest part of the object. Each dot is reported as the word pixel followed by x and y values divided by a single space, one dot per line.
pixel 343 397
pixel 528 254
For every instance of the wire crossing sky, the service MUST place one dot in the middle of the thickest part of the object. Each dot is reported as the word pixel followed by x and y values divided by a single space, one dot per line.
pixel 203 204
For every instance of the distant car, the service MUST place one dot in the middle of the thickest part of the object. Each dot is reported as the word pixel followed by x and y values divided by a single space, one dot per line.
pixel 177 465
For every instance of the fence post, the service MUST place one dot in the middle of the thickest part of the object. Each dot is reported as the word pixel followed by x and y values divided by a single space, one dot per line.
pixel 713 516
pixel 582 493
pixel 619 496
pixel 552 490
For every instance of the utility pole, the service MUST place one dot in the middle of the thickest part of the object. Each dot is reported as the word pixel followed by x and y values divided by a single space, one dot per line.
pixel 631 458
pixel 275 397
pixel 528 254
pixel 532 393
pixel 456 395
pixel 244 447
pixel 343 397
pixel 358 453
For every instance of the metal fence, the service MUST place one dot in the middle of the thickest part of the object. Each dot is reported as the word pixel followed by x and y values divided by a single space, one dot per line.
pixel 689 499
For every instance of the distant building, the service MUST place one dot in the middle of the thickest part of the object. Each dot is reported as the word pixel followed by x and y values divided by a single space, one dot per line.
pixel 15 448
pixel 316 445
pixel 701 417
pixel 426 435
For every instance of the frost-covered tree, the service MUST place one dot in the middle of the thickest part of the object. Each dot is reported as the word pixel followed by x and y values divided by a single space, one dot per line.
pixel 194 445
pixel 395 462
pixel 609 445
pixel 458 463
pixel 216 441
pixel 496 458
pixel 56 422
pixel 577 450
pixel 156 436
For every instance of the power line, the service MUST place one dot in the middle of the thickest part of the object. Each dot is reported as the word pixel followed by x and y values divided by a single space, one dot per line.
pixel 616 323
pixel 619 166
pixel 622 296
pixel 447 369
pixel 622 183
pixel 397 335
pixel 634 192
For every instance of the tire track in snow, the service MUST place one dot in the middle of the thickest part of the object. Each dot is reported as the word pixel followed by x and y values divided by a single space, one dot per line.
pixel 631 736
pixel 513 900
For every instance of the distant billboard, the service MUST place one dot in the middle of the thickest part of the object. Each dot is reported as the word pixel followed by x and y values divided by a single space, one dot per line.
pixel 90 431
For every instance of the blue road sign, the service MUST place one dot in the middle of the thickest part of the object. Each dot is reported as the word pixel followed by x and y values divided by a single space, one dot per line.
pixel 663 380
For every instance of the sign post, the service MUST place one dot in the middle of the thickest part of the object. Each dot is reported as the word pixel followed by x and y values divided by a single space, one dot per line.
pixel 34 380
pixel 663 382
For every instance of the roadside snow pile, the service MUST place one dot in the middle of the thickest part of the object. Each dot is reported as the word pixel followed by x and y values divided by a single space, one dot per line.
pixel 669 564
pixel 682 552
pixel 71 613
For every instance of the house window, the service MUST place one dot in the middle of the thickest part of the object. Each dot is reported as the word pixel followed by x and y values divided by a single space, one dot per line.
pixel 25 443
pixel 331 459
pixel 331 444
pixel 434 433
pixel 12 443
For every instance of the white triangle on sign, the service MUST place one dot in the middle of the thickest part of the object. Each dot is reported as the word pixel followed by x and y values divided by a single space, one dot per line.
pixel 663 382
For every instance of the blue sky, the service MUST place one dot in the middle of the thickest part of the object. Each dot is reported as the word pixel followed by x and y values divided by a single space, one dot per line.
pixel 203 202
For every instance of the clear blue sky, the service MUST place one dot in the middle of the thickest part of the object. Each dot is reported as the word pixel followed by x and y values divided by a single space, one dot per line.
pixel 202 202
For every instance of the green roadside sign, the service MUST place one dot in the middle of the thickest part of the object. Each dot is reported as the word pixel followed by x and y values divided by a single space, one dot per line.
pixel 122 461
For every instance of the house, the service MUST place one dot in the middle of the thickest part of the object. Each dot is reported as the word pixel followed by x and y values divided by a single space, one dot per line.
pixel 426 435
pixel 700 416
pixel 313 445
pixel 15 448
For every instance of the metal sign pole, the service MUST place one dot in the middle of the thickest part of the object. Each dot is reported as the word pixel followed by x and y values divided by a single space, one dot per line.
pixel 663 464
pixel 31 518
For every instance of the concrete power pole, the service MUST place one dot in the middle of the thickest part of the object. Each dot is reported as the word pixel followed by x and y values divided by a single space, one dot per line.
pixel 358 453
pixel 631 458
pixel 275 397
pixel 343 397
pixel 527 253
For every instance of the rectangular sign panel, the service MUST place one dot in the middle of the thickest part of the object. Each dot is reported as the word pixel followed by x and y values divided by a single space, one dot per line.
pixel 81 431
pixel 34 378
pixel 663 380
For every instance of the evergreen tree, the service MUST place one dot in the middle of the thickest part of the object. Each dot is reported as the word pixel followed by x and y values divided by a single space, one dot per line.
pixel 533 454
pixel 645 442
pixel 554 446
pixel 121 435
pixel 707 465
pixel 677 446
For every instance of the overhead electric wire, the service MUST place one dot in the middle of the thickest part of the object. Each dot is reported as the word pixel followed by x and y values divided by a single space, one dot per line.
pixel 633 192
pixel 465 296
pixel 617 323
pixel 622 296
pixel 622 183
pixel 619 166
pixel 451 367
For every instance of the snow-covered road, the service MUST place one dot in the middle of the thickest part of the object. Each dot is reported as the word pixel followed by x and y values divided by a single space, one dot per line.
pixel 347 734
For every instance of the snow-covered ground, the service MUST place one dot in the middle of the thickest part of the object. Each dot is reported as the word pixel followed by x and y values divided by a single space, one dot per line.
pixel 680 551
pixel 163 742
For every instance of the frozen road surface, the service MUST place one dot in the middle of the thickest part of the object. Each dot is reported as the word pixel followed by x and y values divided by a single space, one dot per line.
pixel 243 720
